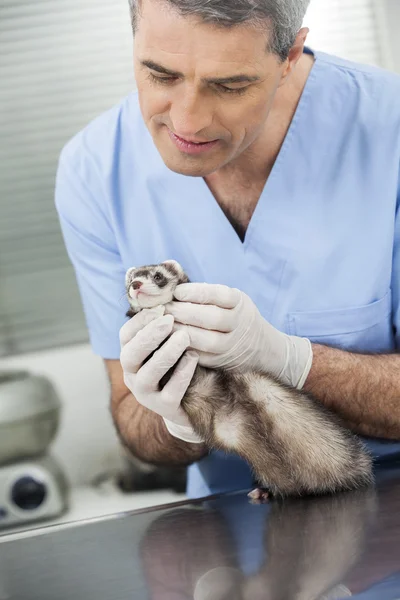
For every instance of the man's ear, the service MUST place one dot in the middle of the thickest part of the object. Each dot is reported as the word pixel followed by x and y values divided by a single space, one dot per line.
pixel 295 53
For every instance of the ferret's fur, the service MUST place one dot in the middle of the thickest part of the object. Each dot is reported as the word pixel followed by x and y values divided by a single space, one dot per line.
pixel 293 444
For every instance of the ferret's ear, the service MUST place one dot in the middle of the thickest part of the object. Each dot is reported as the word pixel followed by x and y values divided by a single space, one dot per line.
pixel 128 274
pixel 174 263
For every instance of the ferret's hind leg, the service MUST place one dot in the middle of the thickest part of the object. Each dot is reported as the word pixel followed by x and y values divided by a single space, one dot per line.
pixel 259 495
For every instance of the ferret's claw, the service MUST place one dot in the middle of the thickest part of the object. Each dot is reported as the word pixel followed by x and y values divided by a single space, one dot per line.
pixel 259 496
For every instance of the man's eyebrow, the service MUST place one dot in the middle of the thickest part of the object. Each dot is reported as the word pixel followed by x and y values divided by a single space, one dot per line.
pixel 221 80
pixel 160 69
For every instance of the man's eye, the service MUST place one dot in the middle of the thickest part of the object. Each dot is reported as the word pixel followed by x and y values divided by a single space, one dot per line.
pixel 233 90
pixel 162 80
pixel 167 80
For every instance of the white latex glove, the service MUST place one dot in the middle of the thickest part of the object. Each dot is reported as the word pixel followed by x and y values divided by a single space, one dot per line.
pixel 139 337
pixel 227 330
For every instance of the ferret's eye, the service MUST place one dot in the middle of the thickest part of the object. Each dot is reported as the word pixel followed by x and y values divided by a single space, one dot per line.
pixel 158 277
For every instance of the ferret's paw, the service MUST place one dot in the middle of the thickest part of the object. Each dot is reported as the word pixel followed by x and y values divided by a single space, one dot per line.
pixel 259 496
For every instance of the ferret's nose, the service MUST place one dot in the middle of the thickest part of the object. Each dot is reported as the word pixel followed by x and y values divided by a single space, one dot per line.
pixel 137 285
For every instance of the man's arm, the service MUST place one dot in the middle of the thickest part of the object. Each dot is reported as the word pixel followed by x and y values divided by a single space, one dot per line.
pixel 363 389
pixel 142 431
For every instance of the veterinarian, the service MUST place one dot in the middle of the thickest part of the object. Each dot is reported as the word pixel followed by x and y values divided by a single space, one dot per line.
pixel 260 165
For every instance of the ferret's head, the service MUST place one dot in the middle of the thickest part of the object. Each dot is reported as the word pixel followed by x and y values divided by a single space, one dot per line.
pixel 152 285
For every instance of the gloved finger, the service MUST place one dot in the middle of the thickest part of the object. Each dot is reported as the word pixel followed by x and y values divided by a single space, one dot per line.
pixel 203 340
pixel 213 361
pixel 148 339
pixel 136 323
pixel 204 316
pixel 208 293
pixel 177 386
pixel 148 377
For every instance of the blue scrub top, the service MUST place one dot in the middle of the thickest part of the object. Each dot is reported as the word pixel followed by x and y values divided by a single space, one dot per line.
pixel 321 256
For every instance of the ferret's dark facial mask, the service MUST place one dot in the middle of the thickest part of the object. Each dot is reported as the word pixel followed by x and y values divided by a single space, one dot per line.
pixel 152 285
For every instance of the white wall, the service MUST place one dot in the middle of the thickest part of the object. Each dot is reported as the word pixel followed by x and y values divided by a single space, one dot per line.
pixel 86 443
pixel 393 25
pixel 75 59
pixel 346 28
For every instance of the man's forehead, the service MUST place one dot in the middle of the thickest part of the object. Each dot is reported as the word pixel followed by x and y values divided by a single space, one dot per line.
pixel 163 31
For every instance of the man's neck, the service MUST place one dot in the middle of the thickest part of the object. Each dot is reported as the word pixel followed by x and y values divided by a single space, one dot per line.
pixel 238 186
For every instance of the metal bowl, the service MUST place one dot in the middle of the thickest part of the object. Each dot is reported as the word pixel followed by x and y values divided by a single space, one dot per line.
pixel 29 415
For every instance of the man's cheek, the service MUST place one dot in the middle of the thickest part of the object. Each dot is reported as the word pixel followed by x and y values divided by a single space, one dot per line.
pixel 154 109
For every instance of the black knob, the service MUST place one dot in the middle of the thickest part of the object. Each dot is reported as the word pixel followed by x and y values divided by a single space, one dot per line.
pixel 28 493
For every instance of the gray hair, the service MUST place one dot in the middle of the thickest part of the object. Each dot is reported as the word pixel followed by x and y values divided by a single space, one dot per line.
pixel 284 18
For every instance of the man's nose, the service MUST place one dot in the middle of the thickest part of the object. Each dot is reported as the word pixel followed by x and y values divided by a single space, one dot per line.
pixel 190 114
pixel 137 285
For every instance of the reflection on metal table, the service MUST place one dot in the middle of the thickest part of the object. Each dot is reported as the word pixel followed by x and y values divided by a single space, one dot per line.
pixel 220 548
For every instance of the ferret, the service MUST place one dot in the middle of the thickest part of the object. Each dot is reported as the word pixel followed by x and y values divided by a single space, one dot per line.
pixel 293 444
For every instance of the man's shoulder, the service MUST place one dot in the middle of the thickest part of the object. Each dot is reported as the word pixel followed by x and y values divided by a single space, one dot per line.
pixel 88 161
pixel 102 134
pixel 369 79
pixel 367 92
pixel 359 69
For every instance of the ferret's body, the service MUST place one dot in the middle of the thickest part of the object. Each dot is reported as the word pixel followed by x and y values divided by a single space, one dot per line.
pixel 292 443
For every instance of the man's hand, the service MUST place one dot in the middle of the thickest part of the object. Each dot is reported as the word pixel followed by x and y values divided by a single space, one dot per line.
pixel 227 330
pixel 141 336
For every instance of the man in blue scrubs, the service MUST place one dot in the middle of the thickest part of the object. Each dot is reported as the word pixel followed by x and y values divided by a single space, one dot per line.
pixel 268 171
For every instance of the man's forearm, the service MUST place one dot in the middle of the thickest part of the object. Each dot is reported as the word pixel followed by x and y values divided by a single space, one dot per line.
pixel 363 389
pixel 145 435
